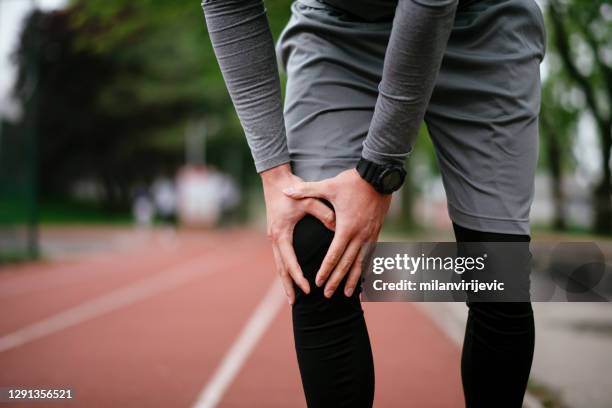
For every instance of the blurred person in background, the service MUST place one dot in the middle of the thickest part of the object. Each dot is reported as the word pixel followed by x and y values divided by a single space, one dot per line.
pixel 361 77
pixel 143 207
pixel 164 196
pixel 226 191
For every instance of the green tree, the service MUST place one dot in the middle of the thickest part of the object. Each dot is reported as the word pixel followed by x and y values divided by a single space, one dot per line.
pixel 118 84
pixel 88 126
pixel 557 126
pixel 581 36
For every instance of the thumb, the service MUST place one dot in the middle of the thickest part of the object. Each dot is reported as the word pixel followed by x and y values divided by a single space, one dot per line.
pixel 312 189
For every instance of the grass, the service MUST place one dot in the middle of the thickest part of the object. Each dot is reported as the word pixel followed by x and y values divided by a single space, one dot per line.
pixel 71 212
pixel 13 212
pixel 14 257
pixel 546 396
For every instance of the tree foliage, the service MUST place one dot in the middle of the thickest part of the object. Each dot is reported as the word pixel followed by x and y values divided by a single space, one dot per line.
pixel 117 83
pixel 581 45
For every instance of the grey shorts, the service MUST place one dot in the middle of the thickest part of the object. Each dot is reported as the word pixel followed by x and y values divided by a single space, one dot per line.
pixel 482 117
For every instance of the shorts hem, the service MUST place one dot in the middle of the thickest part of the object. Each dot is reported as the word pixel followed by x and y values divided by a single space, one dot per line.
pixel 320 169
pixel 488 224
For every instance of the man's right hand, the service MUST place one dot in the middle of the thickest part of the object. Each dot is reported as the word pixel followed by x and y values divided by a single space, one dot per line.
pixel 283 213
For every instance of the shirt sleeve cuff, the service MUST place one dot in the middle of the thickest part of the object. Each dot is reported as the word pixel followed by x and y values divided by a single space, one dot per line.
pixel 384 158
pixel 267 164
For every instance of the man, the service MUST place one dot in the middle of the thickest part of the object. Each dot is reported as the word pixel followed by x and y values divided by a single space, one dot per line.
pixel 362 75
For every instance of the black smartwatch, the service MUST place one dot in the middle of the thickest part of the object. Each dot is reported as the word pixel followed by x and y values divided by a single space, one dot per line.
pixel 384 178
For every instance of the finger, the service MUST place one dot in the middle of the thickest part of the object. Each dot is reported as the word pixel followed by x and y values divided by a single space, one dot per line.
pixel 334 253
pixel 346 261
pixel 322 212
pixel 312 189
pixel 355 274
pixel 284 276
pixel 291 264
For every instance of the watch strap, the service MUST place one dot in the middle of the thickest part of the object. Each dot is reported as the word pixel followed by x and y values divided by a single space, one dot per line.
pixel 369 171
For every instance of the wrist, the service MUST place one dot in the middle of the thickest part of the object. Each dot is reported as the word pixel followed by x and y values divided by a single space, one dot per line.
pixel 276 174
pixel 384 178
pixel 362 183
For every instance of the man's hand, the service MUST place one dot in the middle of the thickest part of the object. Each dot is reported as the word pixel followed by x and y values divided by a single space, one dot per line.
pixel 282 214
pixel 360 211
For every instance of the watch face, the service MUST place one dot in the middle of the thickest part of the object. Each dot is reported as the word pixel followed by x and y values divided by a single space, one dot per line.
pixel 391 180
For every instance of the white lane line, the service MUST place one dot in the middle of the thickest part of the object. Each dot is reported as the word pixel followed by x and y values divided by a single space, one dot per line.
pixel 122 297
pixel 237 355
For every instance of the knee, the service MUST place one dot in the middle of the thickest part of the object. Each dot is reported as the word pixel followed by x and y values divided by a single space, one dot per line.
pixel 311 240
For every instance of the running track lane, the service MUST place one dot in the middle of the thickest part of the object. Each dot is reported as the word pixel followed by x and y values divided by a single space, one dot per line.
pixel 41 289
pixel 163 350
pixel 416 364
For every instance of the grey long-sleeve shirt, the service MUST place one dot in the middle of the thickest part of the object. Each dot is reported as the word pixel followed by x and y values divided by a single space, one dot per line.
pixel 243 44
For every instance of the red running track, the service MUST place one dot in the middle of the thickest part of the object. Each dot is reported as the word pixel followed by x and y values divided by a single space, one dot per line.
pixel 154 327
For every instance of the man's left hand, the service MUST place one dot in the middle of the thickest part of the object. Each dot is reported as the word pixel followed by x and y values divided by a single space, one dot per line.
pixel 360 211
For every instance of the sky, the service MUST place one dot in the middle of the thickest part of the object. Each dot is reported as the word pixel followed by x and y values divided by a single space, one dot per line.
pixel 12 13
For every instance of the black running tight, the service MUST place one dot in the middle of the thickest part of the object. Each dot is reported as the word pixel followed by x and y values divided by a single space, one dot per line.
pixel 498 344
pixel 331 338
pixel 333 347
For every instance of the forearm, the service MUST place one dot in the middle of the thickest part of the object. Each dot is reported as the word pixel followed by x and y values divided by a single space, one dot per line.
pixel 418 40
pixel 243 44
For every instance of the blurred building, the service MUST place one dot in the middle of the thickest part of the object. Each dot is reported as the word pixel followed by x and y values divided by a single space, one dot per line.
pixel 204 195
